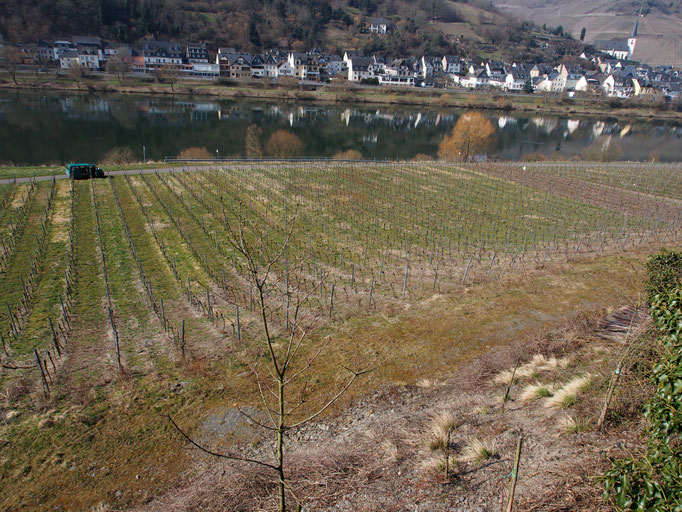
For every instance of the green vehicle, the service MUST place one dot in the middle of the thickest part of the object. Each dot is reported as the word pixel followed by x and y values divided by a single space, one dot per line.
pixel 83 171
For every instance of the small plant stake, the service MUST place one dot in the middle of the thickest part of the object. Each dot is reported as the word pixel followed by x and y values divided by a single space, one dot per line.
pixel 514 475
pixel 511 383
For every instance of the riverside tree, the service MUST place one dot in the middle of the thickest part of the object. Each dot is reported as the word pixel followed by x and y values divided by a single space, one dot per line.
pixel 119 65
pixel 254 149
pixel 284 144
pixel 9 61
pixel 473 134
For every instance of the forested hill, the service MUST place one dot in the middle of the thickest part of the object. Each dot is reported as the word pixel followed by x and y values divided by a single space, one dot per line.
pixel 421 26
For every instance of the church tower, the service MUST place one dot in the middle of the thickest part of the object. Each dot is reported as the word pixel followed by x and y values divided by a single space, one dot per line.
pixel 632 40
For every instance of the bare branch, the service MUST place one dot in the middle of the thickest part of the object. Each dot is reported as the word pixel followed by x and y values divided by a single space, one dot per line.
pixel 216 454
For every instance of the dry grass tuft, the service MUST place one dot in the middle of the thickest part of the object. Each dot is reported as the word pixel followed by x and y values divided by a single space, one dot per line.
pixel 442 424
pixel 323 476
pixel 533 368
pixel 568 425
pixel 425 383
pixel 478 451
pixel 431 467
pixel 534 392
pixel 391 450
pixel 567 395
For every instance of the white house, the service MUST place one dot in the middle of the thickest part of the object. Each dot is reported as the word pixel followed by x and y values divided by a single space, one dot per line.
pixel 516 79
pixel 378 25
pixel 69 59
pixel 285 69
pixel 88 58
pixel 158 54
pixel 452 65
pixel 270 67
pixel 360 68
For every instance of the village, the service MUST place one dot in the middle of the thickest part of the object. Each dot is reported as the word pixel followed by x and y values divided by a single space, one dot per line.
pixel 609 72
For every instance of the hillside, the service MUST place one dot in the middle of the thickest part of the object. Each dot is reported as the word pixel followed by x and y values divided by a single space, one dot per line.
pixel 469 27
pixel 660 30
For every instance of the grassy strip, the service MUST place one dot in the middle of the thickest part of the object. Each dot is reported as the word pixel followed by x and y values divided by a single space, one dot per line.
pixel 18 265
pixel 131 309
pixel 50 287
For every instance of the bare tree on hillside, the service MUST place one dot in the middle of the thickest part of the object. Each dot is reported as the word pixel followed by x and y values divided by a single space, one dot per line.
pixel 283 359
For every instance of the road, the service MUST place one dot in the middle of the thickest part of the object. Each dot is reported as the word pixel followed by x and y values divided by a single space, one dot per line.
pixel 109 173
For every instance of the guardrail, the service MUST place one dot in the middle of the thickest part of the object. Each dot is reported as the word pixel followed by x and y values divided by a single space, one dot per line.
pixel 268 160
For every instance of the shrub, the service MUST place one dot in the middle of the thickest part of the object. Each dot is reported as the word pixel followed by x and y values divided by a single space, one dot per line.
pixel 664 270
pixel 284 144
pixel 195 152
pixel 652 482
pixel 118 156
pixel 348 154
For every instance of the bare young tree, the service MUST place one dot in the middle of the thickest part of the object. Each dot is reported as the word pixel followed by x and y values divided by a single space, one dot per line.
pixel 282 359
pixel 119 65
pixel 77 74
pixel 254 148
pixel 167 75
pixel 10 59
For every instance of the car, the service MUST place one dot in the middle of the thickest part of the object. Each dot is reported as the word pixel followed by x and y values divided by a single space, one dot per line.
pixel 83 171
pixel 43 70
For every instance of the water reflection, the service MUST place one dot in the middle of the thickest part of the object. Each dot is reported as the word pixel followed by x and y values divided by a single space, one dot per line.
pixel 38 128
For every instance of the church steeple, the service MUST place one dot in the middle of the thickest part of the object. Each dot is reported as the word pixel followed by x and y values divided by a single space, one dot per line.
pixel 632 41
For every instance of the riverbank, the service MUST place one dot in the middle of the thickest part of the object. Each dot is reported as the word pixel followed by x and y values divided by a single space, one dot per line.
pixel 435 98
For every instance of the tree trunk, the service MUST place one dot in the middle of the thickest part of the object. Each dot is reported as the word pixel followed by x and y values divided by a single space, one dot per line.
pixel 280 445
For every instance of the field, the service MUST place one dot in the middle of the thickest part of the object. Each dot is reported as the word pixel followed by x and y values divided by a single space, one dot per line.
pixel 124 299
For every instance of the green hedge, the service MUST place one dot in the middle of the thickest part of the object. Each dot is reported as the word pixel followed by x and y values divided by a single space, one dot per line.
pixel 654 482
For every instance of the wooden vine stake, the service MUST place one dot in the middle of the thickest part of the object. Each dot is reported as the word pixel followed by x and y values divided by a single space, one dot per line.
pixel 514 475
pixel 511 383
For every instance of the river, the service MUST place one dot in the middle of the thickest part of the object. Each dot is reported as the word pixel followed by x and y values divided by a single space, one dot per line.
pixel 40 128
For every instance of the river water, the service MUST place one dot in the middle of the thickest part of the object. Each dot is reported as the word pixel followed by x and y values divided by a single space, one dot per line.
pixel 40 128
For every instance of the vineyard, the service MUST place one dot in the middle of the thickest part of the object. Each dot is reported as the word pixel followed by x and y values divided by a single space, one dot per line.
pixel 133 293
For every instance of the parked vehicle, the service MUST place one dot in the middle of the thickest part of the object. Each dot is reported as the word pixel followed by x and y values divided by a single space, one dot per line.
pixel 83 171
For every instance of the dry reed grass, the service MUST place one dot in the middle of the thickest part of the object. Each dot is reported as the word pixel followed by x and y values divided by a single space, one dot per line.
pixel 567 394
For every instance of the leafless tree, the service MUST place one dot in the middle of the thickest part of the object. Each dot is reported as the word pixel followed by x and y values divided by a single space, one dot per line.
pixel 119 65
pixel 76 73
pixel 282 360
pixel 167 75
pixel 10 59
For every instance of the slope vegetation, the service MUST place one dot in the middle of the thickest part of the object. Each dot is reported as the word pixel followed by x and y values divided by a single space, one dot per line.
pixel 660 30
